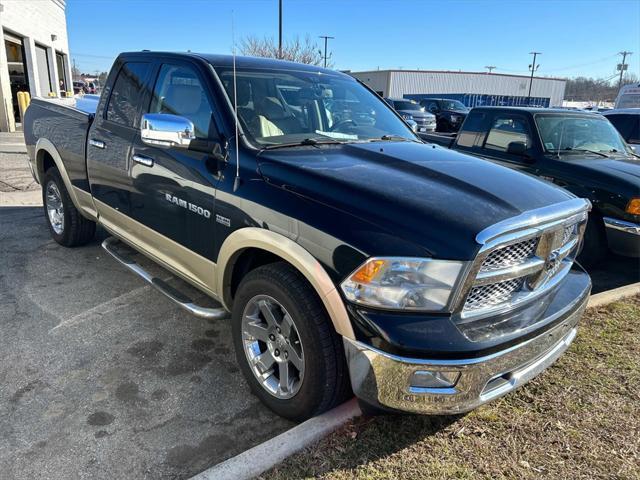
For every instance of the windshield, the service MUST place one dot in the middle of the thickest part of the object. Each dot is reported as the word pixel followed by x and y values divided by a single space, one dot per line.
pixel 406 105
pixel 629 101
pixel 452 105
pixel 277 107
pixel 579 133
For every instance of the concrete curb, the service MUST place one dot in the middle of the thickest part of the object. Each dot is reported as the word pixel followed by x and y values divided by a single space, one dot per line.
pixel 609 296
pixel 260 458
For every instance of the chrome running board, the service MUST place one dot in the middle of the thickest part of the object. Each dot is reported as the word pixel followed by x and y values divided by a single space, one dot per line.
pixel 163 287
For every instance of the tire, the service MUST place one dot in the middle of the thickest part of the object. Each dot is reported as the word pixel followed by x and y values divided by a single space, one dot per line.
pixel 323 380
pixel 594 247
pixel 67 226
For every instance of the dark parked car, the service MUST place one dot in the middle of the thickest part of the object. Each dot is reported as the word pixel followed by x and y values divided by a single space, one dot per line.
pixel 579 151
pixel 449 113
pixel 412 111
pixel 350 256
pixel 627 122
pixel 80 87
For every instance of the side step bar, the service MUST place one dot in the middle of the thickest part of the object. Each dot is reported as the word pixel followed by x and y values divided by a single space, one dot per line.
pixel 182 300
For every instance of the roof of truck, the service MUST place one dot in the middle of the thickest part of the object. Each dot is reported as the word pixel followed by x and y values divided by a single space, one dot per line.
pixel 243 62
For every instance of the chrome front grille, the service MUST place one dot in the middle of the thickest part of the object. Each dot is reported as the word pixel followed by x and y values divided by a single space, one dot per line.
pixel 492 294
pixel 510 255
pixel 514 266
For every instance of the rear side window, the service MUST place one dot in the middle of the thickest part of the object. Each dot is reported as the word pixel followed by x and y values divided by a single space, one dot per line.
pixel 506 130
pixel 627 125
pixel 127 93
pixel 473 130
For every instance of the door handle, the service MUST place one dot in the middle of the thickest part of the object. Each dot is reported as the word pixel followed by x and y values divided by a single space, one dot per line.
pixel 96 143
pixel 142 160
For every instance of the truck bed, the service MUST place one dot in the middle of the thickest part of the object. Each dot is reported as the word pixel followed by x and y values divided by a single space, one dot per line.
pixel 66 127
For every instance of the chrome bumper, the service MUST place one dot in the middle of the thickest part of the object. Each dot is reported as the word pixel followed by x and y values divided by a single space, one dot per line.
pixel 623 237
pixel 385 380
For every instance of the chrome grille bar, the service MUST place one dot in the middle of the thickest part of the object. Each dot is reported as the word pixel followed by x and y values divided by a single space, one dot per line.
pixel 521 263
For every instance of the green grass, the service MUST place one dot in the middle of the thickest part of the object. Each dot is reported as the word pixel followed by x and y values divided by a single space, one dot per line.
pixel 579 419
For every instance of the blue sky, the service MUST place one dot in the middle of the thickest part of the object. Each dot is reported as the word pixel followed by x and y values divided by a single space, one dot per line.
pixel 576 37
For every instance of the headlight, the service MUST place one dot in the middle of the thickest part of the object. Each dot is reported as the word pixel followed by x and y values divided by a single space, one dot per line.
pixel 455 118
pixel 406 116
pixel 403 283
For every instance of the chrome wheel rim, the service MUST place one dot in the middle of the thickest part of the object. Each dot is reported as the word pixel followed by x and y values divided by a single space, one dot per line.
pixel 55 209
pixel 272 346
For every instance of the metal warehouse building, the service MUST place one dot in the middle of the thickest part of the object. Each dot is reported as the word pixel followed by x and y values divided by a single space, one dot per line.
pixel 471 88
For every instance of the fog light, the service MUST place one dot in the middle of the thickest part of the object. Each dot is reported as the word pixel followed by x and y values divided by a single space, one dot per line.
pixel 427 379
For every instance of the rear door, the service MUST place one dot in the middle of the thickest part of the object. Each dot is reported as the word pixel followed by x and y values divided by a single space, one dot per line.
pixel 110 137
pixel 174 188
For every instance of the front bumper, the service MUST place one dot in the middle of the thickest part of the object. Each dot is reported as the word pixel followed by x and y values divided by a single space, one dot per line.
pixel 385 380
pixel 623 237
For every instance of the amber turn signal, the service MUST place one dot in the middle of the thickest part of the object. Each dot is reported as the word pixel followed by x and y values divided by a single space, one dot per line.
pixel 633 207
pixel 368 271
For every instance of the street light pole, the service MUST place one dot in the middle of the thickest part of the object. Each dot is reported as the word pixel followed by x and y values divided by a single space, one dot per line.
pixel 326 37
pixel 279 28
pixel 533 69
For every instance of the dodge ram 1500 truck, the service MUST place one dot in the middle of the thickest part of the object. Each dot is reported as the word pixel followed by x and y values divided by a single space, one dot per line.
pixel 351 255
pixel 579 151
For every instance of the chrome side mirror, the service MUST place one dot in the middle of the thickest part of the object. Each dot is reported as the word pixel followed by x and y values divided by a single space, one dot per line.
pixel 166 130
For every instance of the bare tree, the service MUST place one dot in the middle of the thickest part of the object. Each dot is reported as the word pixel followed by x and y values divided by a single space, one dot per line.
pixel 296 50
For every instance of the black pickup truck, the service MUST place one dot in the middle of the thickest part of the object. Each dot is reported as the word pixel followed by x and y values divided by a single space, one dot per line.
pixel 351 255
pixel 579 151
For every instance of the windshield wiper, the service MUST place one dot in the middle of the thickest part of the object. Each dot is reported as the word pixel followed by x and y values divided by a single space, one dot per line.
pixel 304 142
pixel 595 152
pixel 393 138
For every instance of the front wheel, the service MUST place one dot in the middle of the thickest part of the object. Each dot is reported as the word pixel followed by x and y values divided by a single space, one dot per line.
pixel 285 344
pixel 67 226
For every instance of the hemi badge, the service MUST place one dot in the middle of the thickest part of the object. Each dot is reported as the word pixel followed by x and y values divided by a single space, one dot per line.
pixel 223 220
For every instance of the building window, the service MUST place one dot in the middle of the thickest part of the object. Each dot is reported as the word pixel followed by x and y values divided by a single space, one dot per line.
pixel 62 73
pixel 44 75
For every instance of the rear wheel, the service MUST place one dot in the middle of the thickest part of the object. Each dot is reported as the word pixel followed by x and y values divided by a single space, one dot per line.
pixel 285 344
pixel 67 226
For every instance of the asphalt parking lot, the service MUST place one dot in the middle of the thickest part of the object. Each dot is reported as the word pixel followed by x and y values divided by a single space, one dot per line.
pixel 103 377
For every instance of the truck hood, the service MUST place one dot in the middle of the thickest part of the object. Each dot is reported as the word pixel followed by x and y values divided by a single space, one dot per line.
pixel 622 168
pixel 428 195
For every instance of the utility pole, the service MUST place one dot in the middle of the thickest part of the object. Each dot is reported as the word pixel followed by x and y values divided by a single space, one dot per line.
pixel 622 66
pixel 490 67
pixel 326 37
pixel 533 68
pixel 279 28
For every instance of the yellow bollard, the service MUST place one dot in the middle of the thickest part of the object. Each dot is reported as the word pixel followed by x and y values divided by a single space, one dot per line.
pixel 24 99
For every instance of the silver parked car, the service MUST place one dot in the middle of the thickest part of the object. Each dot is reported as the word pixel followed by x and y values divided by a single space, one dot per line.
pixel 411 110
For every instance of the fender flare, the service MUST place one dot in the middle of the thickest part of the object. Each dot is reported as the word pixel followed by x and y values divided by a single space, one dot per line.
pixel 85 206
pixel 290 251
